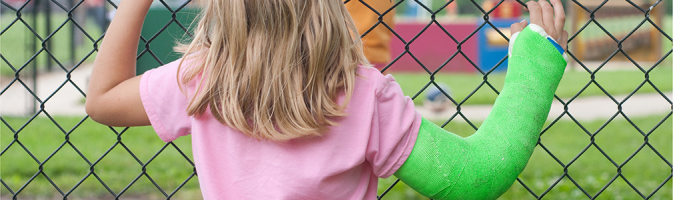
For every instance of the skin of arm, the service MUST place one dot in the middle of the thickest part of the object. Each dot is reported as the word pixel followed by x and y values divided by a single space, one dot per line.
pixel 443 165
pixel 113 95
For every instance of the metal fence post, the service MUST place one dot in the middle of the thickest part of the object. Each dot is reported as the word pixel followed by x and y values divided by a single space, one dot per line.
pixel 47 31
pixel 36 6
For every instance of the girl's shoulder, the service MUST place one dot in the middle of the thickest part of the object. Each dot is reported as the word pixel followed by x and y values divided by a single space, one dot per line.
pixel 373 78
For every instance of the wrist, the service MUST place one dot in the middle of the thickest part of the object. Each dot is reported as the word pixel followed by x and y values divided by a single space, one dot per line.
pixel 540 31
pixel 534 58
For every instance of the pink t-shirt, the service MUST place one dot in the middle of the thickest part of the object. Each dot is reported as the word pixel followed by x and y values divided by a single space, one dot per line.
pixel 372 141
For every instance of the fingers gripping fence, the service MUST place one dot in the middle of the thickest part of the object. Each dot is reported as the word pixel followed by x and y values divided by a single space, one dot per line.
pixel 47 154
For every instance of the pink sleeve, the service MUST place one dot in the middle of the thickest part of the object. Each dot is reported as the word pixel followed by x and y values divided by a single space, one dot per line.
pixel 394 128
pixel 164 103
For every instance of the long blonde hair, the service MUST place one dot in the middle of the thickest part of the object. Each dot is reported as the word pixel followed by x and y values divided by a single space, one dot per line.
pixel 273 69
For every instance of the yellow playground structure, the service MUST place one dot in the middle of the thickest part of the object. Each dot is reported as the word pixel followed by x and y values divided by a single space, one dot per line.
pixel 613 25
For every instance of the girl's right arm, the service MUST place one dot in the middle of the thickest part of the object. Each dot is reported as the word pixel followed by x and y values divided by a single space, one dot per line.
pixel 113 96
pixel 443 165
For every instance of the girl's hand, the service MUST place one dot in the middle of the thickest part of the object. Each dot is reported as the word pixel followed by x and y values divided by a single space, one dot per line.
pixel 551 19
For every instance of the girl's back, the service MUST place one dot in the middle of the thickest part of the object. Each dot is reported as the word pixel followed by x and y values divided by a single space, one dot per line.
pixel 371 141
pixel 283 110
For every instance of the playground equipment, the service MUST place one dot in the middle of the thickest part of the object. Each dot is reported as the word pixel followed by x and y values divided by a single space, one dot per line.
pixel 506 9
pixel 414 11
pixel 433 47
pixel 619 19
pixel 485 49
pixel 493 47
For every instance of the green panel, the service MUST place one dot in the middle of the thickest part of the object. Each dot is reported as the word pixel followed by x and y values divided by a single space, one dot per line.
pixel 162 45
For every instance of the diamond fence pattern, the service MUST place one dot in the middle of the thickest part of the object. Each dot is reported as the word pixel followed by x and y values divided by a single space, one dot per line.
pixel 62 19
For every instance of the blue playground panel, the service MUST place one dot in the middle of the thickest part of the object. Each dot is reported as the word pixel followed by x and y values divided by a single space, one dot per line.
pixel 491 53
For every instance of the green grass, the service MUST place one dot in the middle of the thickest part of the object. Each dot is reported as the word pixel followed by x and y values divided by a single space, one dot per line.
pixel 619 140
pixel 117 169
pixel 565 140
pixel 15 42
pixel 463 84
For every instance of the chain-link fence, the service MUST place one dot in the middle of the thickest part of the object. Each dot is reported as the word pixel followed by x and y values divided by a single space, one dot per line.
pixel 619 52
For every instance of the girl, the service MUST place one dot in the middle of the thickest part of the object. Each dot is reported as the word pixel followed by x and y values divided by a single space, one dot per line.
pixel 280 104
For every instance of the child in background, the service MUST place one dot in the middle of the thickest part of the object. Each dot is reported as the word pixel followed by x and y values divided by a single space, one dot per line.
pixel 281 104
pixel 376 44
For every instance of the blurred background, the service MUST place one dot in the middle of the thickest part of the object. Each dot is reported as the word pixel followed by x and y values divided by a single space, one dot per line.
pixel 608 136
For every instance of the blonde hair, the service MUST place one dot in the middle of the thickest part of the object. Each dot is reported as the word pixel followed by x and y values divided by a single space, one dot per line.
pixel 273 69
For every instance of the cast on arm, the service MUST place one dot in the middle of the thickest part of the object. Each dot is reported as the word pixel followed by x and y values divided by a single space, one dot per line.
pixel 443 165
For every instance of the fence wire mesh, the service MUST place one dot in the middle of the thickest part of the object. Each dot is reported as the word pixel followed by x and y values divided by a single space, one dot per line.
pixel 54 38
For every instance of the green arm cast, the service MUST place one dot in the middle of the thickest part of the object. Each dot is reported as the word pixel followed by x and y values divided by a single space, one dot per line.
pixel 443 165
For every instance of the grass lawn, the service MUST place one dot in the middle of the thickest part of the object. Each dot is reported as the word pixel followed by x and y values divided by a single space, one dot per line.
pixel 117 169
pixel 462 85
pixel 565 139
pixel 16 42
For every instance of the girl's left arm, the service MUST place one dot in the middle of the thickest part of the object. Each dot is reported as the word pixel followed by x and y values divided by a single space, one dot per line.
pixel 113 96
